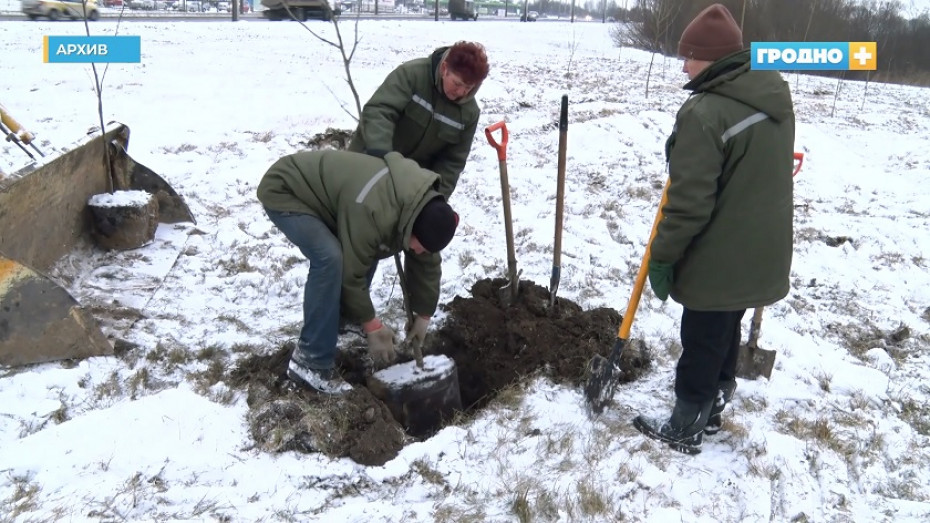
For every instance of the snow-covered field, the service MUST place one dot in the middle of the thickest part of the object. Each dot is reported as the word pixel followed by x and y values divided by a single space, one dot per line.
pixel 839 433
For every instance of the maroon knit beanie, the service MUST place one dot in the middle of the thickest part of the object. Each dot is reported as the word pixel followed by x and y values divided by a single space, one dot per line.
pixel 435 225
pixel 712 35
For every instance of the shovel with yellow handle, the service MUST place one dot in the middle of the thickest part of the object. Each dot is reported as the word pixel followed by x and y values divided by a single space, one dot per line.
pixel 602 372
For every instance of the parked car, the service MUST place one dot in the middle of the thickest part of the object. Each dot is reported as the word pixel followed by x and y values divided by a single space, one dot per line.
pixel 56 9
pixel 113 3
pixel 529 17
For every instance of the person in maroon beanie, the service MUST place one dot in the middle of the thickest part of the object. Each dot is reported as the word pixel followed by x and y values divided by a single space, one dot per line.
pixel 725 242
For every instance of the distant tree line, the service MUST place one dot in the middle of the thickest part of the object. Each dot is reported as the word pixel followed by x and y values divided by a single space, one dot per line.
pixel 903 45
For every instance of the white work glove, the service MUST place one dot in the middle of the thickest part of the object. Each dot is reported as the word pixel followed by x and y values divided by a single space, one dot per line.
pixel 416 331
pixel 381 346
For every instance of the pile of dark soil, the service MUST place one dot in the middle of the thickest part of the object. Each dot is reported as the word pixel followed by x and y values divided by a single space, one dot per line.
pixel 493 347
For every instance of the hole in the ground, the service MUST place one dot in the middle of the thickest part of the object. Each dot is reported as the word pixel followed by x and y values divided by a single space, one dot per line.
pixel 492 347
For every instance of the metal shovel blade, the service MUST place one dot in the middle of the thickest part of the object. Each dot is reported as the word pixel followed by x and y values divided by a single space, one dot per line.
pixel 601 379
pixel 751 361
pixel 130 174
pixel 509 291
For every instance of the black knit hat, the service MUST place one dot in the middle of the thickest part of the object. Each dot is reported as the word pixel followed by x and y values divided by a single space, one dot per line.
pixel 435 225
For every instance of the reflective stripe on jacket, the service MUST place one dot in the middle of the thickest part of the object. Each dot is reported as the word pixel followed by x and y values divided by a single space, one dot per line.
pixel 410 114
pixel 369 204
pixel 728 221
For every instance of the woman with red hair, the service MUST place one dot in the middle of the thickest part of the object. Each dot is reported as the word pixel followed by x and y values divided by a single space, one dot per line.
pixel 426 110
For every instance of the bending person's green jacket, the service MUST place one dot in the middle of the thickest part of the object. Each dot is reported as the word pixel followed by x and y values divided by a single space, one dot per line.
pixel 728 221
pixel 410 114
pixel 370 205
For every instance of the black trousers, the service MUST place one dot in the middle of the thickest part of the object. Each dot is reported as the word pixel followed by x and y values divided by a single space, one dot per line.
pixel 710 342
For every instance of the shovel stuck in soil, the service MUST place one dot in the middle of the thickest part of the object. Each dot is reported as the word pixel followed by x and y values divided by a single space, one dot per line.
pixel 559 203
pixel 508 293
pixel 752 362
pixel 602 372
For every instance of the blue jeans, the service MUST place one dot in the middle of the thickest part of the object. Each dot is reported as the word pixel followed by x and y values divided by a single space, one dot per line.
pixel 316 347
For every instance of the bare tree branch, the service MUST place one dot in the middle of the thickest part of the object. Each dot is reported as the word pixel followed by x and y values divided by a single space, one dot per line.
pixel 340 44
pixel 98 90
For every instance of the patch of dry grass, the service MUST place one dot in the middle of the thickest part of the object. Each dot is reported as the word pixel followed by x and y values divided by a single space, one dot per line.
pixel 915 413
pixel 593 499
pixel 111 388
pixel 821 430
pixel 22 500
pixel 449 513
pixel 862 335
pixel 139 382
pixel 429 473
pixel 183 148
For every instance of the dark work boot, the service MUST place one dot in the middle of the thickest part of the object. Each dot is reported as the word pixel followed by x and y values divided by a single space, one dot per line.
pixel 724 395
pixel 683 431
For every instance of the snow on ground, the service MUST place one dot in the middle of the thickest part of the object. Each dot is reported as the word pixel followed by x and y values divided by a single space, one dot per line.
pixel 838 434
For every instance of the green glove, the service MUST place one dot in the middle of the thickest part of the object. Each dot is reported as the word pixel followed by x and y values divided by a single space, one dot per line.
pixel 660 278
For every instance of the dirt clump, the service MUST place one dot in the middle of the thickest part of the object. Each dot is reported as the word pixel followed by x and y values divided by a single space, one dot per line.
pixel 330 139
pixel 493 346
pixel 283 417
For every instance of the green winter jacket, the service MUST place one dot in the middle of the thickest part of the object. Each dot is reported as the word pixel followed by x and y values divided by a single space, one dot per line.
pixel 410 114
pixel 369 204
pixel 728 221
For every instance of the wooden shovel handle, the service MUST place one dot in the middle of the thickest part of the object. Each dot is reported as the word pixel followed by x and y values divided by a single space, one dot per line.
pixel 560 184
pixel 755 327
pixel 627 323
pixel 417 350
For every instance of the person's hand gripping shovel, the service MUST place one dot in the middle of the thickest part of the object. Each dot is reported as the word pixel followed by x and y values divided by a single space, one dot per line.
pixel 508 293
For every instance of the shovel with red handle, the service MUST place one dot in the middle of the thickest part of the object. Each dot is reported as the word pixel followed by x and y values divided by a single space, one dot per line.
pixel 508 293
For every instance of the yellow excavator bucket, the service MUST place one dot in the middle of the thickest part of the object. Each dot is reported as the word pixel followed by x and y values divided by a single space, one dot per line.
pixel 40 321
pixel 43 217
